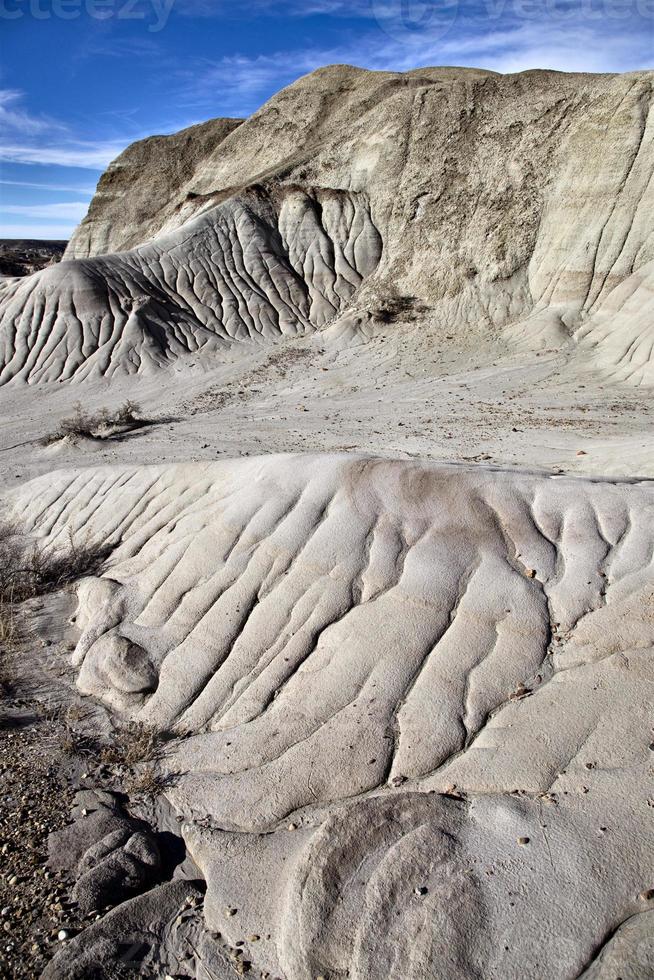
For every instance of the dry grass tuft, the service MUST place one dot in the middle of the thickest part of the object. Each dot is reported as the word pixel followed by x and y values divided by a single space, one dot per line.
pixel 396 307
pixel 132 745
pixel 145 782
pixel 27 571
pixel 102 424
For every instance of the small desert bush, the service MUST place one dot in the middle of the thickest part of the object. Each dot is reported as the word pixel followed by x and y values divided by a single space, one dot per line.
pixel 145 782
pixel 131 745
pixel 101 424
pixel 27 571
pixel 36 570
pixel 397 307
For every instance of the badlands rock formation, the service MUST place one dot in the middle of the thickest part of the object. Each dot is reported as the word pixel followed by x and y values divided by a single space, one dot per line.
pixel 404 704
pixel 518 201
pixel 416 701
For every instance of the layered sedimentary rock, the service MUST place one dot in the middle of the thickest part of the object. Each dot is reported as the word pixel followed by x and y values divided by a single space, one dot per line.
pixel 151 178
pixel 416 701
pixel 488 201
pixel 261 265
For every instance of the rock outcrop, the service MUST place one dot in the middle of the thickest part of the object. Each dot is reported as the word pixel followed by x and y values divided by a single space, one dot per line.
pixel 489 201
pixel 415 700
pixel 144 188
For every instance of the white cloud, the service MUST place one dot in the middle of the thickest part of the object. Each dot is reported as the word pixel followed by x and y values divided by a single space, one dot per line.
pixel 505 44
pixel 17 119
pixel 62 211
pixel 69 153
pixel 47 232
pixel 41 140
pixel 88 191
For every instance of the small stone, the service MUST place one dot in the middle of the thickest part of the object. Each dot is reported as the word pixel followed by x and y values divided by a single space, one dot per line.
pixel 421 890
pixel 581 452
pixel 398 780
pixel 13 880
pixel 647 895
pixel 523 840
pixel 292 826
pixel 63 935
pixel 530 572
pixel 6 926
pixel 230 911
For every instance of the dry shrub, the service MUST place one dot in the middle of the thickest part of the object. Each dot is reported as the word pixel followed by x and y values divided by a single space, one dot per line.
pixel 145 782
pixel 395 307
pixel 27 571
pixel 101 424
pixel 132 745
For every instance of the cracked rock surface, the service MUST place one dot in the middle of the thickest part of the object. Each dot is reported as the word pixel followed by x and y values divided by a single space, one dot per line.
pixel 406 688
pixel 516 202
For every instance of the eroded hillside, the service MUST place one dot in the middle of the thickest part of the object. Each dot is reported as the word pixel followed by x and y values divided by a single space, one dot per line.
pixel 486 201
pixel 374 702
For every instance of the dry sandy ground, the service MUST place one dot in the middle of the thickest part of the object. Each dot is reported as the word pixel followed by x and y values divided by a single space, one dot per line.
pixel 401 395
pixel 490 409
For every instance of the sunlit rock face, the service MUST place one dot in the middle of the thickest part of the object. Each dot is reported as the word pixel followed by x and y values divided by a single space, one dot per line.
pixel 518 201
pixel 439 679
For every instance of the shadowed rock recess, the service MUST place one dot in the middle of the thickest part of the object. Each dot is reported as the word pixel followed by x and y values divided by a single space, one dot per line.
pixel 404 706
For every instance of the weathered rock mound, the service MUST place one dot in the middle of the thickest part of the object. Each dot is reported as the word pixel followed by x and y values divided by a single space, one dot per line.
pixel 338 637
pixel 144 188
pixel 518 200
pixel 258 266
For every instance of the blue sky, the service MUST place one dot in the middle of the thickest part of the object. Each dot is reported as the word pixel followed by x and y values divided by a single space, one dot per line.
pixel 80 79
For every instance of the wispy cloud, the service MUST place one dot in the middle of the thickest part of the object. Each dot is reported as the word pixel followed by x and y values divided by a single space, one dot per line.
pixel 16 119
pixel 61 211
pixel 493 34
pixel 69 153
pixel 47 232
pixel 42 140
pixel 51 188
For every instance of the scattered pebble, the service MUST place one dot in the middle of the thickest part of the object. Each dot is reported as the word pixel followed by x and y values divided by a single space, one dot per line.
pixel 523 840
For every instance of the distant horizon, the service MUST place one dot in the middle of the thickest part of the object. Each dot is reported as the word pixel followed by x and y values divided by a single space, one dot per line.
pixel 153 67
